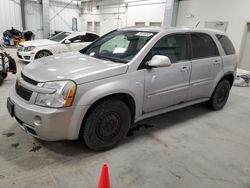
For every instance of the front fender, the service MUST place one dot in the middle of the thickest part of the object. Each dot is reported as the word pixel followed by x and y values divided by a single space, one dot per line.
pixel 131 84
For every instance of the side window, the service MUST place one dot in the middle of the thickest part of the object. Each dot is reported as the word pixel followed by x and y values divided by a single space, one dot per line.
pixel 226 44
pixel 77 39
pixel 90 37
pixel 203 46
pixel 173 46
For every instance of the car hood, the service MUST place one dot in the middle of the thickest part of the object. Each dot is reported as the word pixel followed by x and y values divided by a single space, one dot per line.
pixel 42 42
pixel 73 66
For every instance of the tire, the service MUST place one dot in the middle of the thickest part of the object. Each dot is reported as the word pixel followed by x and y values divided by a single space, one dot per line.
pixel 4 75
pixel 107 124
pixel 12 65
pixel 220 95
pixel 43 53
pixel 1 80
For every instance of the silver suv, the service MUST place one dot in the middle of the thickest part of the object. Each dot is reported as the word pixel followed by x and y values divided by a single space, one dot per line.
pixel 125 76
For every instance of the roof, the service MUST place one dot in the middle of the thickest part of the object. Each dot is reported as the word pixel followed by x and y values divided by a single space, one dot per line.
pixel 80 32
pixel 172 29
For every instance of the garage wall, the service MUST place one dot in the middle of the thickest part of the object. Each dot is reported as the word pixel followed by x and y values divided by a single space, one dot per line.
pixel 10 15
pixel 63 21
pixel 235 12
pixel 114 14
pixel 61 17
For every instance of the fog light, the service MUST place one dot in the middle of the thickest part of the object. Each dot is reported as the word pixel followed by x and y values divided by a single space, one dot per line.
pixel 37 120
pixel 27 57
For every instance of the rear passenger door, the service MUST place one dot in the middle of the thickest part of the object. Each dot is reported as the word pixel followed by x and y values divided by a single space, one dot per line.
pixel 206 65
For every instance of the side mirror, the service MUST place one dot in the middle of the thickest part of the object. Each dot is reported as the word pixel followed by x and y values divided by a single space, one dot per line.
pixel 67 41
pixel 159 61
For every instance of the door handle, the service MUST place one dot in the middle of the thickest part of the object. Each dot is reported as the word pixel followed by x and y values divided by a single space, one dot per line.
pixel 185 69
pixel 216 62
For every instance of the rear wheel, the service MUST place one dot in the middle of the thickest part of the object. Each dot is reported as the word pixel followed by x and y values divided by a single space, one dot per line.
pixel 106 125
pixel 220 95
pixel 1 80
pixel 43 53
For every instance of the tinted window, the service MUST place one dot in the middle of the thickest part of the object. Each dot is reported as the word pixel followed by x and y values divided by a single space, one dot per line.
pixel 90 37
pixel 226 44
pixel 203 46
pixel 174 47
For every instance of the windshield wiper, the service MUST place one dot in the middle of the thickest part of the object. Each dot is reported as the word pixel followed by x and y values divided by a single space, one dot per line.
pixel 110 59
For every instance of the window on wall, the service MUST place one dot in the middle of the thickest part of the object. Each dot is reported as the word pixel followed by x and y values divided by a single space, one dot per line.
pixel 174 47
pixel 140 24
pixel 156 24
pixel 203 46
pixel 97 27
pixel 89 26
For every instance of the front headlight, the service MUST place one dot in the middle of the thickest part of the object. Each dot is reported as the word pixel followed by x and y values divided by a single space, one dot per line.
pixel 29 48
pixel 62 97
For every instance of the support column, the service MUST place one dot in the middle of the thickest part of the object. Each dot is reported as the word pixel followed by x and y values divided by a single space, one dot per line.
pixel 46 22
pixel 171 12
pixel 22 4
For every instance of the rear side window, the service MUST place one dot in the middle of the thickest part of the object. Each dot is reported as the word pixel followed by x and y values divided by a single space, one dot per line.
pixel 226 44
pixel 90 37
pixel 203 46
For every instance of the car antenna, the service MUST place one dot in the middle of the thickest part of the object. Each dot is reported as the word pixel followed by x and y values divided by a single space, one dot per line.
pixel 197 24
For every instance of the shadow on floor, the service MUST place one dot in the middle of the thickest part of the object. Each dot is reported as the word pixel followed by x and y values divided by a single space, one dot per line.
pixel 61 151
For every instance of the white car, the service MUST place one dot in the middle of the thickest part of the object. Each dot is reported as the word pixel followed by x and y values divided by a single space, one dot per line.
pixel 60 43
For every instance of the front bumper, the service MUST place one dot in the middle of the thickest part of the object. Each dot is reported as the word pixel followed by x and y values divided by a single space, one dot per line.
pixel 48 124
pixel 26 56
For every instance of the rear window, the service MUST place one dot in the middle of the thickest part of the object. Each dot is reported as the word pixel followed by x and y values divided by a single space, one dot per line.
pixel 203 46
pixel 226 44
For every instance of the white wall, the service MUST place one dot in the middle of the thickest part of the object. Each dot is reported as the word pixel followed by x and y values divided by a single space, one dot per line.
pixel 33 17
pixel 61 22
pixel 236 12
pixel 110 19
pixel 10 15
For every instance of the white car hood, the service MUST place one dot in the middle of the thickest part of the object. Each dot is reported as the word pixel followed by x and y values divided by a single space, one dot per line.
pixel 42 42
pixel 73 66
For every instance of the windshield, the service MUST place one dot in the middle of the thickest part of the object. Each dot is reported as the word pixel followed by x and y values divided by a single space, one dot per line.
pixel 119 46
pixel 60 36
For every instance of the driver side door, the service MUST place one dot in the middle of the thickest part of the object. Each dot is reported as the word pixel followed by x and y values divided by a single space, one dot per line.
pixel 75 44
pixel 167 86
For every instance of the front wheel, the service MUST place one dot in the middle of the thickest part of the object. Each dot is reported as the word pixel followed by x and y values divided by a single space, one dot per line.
pixel 43 53
pixel 220 95
pixel 107 124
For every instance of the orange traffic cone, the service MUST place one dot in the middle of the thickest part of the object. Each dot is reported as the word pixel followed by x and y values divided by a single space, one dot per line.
pixel 104 177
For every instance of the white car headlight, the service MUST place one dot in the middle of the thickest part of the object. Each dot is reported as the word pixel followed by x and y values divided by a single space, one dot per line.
pixel 62 97
pixel 29 48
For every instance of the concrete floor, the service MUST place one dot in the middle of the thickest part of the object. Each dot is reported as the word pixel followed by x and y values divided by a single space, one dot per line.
pixel 187 148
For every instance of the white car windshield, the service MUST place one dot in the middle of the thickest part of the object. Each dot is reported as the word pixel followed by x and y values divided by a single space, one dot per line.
pixel 60 36
pixel 119 46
